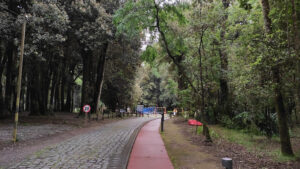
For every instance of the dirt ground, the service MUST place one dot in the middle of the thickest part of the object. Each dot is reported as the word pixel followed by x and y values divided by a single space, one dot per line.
pixel 188 151
pixel 36 133
pixel 183 153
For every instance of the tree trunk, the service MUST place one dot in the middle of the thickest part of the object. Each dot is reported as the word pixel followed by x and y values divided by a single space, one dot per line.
pixel 69 98
pixel 52 95
pixel 57 96
pixel 34 96
pixel 3 59
pixel 25 96
pixel 297 51
pixel 267 19
pixel 181 81
pixel 62 90
pixel 70 83
pixel 28 95
pixel 225 105
pixel 100 75
pixel 72 100
pixel 47 82
pixel 10 76
pixel 286 147
pixel 44 83
pixel 38 106
pixel 202 104
pixel 64 82
pixel 87 85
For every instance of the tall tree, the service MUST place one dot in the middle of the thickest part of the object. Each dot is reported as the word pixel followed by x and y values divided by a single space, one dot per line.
pixel 286 147
pixel 224 90
pixel 295 22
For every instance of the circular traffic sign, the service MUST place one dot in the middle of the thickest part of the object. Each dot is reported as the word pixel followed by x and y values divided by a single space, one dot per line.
pixel 86 108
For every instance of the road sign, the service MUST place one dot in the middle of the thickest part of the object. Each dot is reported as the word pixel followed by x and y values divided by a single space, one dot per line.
pixel 139 108
pixel 86 108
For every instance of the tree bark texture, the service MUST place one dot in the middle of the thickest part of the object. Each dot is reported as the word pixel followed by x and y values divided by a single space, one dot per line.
pixel 10 77
pixel 3 59
pixel 225 105
pixel 93 67
pixel 286 147
pixel 37 102
pixel 297 50
pixel 100 75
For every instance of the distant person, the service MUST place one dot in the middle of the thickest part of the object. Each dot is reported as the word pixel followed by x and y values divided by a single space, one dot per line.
pixel 174 112
pixel 128 109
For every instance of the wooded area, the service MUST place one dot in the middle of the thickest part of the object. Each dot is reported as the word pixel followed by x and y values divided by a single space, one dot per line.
pixel 68 46
pixel 233 62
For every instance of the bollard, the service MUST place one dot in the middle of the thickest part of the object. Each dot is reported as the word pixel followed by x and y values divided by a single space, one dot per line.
pixel 227 163
pixel 162 122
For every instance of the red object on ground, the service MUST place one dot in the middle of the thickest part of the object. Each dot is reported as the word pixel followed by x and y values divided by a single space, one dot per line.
pixel 194 122
pixel 149 151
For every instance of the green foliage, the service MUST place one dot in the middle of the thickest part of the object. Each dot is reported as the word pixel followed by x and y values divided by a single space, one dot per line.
pixel 258 124
pixel 63 46
pixel 46 29
pixel 283 158
pixel 195 31
pixel 245 4
pixel 199 130
pixel 186 99
pixel 238 136
pixel 97 28
pixel 134 17
pixel 149 55
pixel 78 81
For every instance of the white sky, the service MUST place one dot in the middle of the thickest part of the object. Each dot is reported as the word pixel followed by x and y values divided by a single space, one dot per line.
pixel 150 38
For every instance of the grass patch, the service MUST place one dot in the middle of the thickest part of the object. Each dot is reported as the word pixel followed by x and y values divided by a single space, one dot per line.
pixel 213 134
pixel 254 143
pixel 282 158
pixel 25 124
pixel 236 136
pixel 200 130
pixel 171 156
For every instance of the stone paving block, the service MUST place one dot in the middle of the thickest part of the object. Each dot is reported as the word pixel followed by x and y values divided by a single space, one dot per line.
pixel 88 151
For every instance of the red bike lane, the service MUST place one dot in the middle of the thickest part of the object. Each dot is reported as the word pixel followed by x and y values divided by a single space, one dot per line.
pixel 149 151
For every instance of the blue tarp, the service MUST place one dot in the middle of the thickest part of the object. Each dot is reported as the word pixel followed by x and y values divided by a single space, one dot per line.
pixel 148 110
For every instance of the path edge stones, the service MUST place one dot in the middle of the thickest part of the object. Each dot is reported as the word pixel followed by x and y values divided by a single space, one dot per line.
pixel 115 161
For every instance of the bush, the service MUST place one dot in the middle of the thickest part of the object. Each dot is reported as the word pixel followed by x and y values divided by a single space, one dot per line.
pixel 227 122
pixel 259 124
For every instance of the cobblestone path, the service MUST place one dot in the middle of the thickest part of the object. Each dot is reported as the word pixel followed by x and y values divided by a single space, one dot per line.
pixel 102 148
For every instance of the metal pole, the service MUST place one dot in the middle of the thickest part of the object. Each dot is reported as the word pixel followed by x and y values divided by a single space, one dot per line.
pixel 162 120
pixel 85 117
pixel 19 82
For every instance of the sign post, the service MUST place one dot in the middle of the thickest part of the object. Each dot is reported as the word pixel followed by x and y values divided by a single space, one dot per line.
pixel 139 109
pixel 19 82
pixel 86 108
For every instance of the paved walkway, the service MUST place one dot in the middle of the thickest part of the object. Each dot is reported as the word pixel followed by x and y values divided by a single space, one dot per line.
pixel 107 147
pixel 149 151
